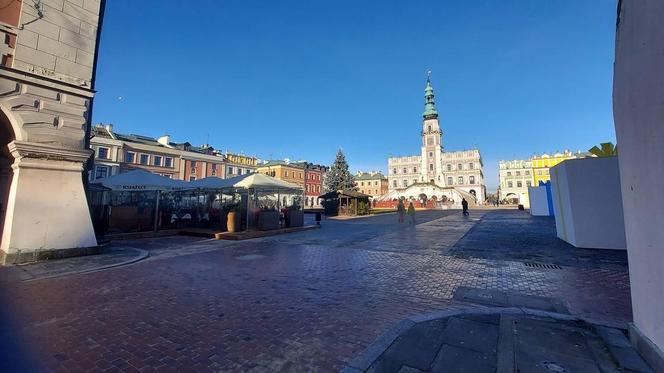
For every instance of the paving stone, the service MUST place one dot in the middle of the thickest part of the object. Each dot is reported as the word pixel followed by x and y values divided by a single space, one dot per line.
pixel 416 347
pixel 313 302
pixel 628 358
pixel 477 336
pixel 452 359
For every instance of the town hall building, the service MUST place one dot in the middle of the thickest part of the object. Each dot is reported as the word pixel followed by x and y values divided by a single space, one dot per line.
pixel 436 174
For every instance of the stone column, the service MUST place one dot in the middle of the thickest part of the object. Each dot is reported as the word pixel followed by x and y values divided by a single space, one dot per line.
pixel 47 211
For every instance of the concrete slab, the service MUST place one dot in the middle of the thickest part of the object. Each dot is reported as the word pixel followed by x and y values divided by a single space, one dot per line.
pixel 472 335
pixel 453 359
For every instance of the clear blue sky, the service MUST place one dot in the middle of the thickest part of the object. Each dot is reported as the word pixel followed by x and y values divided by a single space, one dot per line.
pixel 300 79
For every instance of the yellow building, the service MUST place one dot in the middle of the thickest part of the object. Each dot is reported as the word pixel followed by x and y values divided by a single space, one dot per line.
pixel 283 170
pixel 542 164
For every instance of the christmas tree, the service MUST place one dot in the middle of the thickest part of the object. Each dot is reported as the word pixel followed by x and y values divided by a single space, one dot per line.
pixel 338 177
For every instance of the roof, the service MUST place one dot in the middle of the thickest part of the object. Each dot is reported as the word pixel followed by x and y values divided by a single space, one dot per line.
pixel 279 162
pixel 246 181
pixel 369 176
pixel 345 193
pixel 140 180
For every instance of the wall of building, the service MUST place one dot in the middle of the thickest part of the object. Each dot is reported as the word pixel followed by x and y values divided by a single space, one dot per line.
pixel 60 44
pixel 638 88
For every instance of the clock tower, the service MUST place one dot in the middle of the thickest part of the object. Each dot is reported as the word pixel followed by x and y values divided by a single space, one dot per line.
pixel 432 140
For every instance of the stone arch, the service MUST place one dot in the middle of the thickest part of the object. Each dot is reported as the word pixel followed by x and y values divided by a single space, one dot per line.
pixel 7 135
pixel 9 121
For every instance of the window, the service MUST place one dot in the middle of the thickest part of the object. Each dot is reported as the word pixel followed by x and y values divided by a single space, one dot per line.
pixel 192 178
pixel 156 160
pixel 101 172
pixel 405 183
pixel 518 173
pixel 510 184
pixel 405 171
pixel 471 179
pixel 394 170
pixel 193 164
pixel 459 166
pixel 102 153
pixel 430 166
pixel 361 183
pixel 519 184
pixel 130 157
pixel 449 167
pixel 168 162
pixel 214 170
pixel 450 181
pixel 509 173
pixel 460 180
pixel 429 128
pixel 527 173
pixel 528 183
pixel 375 183
pixel 430 154
pixel 471 166
pixel 144 159
pixel 414 170
pixel 230 170
pixel 301 176
pixel 285 173
pixel 394 183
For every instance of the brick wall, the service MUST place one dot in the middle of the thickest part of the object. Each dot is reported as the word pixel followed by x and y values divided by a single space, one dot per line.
pixel 59 43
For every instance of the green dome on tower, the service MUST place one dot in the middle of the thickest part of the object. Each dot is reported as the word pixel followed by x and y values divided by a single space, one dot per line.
pixel 429 103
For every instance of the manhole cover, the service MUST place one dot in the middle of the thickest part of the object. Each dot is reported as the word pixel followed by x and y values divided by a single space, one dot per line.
pixel 250 257
pixel 553 367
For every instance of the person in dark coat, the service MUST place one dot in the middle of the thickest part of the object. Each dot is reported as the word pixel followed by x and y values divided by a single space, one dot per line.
pixel 464 206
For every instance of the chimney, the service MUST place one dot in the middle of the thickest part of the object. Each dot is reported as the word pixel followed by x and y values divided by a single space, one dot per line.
pixel 165 140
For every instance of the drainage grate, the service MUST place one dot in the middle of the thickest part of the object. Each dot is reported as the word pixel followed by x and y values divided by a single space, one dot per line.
pixel 542 265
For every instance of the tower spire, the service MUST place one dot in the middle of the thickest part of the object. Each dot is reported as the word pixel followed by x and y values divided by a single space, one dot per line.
pixel 429 103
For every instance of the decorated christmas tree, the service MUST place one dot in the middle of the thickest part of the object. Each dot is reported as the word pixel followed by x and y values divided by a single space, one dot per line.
pixel 338 177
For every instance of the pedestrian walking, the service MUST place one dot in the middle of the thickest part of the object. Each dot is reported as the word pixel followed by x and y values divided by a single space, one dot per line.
pixel 411 214
pixel 401 210
pixel 464 206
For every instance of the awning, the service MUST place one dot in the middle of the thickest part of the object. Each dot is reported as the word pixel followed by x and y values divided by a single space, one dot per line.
pixel 247 181
pixel 139 180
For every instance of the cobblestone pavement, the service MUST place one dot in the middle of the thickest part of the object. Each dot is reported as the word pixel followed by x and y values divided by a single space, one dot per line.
pixel 308 301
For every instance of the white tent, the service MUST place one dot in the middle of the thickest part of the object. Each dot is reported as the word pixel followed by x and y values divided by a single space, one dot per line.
pixel 139 180
pixel 247 181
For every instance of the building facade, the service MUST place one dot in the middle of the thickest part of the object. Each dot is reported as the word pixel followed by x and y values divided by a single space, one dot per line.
pixel 461 171
pixel 514 179
pixel 307 175
pixel 372 183
pixel 239 164
pixel 542 163
pixel 48 59
pixel 116 153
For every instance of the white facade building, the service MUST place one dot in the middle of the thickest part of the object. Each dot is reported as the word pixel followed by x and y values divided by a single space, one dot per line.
pixel 514 179
pixel 460 170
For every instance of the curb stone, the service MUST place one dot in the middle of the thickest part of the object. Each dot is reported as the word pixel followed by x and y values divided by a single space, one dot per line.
pixel 142 255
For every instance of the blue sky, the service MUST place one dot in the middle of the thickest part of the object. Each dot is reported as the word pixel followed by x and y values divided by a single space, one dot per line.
pixel 300 79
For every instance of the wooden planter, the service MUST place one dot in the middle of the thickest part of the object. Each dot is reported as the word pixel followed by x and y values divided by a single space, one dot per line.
pixel 295 218
pixel 232 221
pixel 268 220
